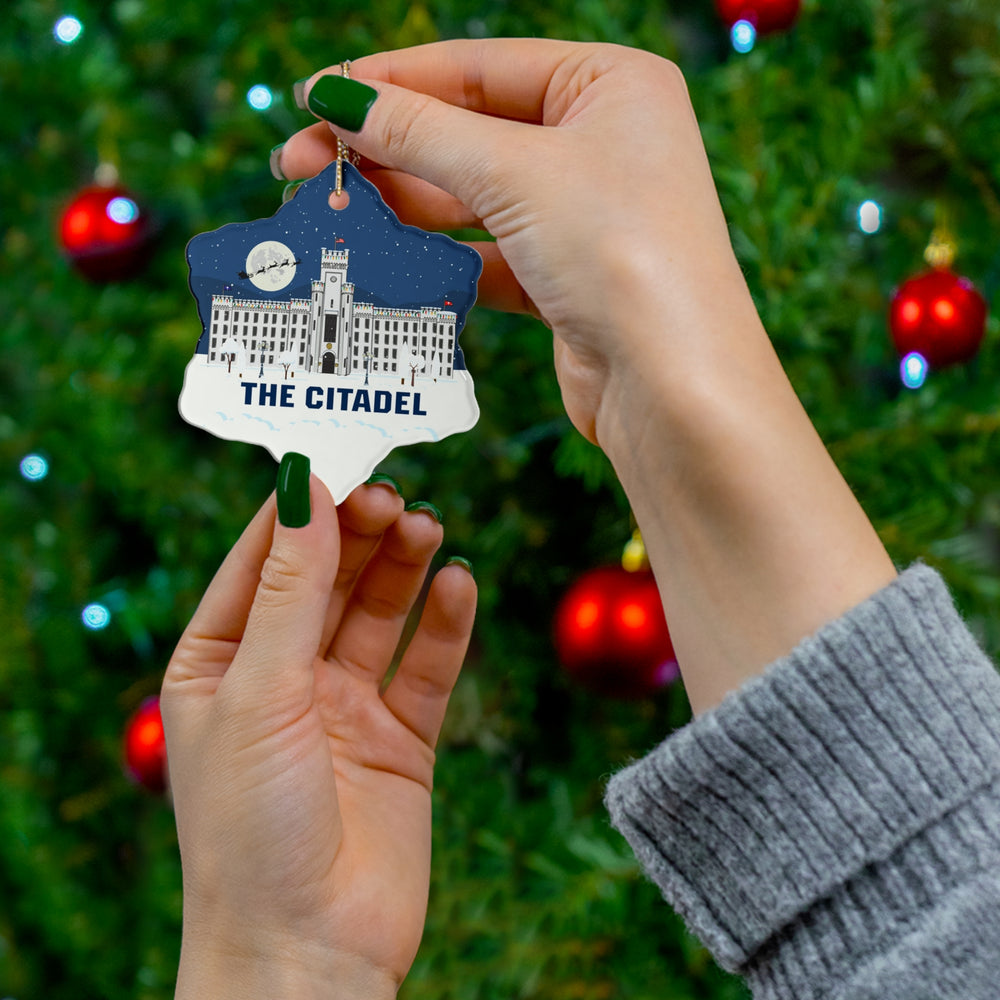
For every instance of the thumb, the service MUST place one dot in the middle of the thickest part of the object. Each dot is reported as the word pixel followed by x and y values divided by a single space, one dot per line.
pixel 286 619
pixel 455 149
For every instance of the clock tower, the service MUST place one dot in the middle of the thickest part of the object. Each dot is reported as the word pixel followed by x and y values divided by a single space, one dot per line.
pixel 333 299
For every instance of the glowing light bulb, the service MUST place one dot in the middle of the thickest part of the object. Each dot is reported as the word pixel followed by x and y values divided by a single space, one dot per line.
pixel 67 30
pixel 870 217
pixel 122 210
pixel 34 467
pixel 913 370
pixel 95 617
pixel 743 36
pixel 260 97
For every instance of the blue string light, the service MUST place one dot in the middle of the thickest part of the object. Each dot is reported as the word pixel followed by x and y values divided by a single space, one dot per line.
pixel 122 210
pixel 869 216
pixel 260 97
pixel 67 30
pixel 95 617
pixel 34 468
pixel 913 370
pixel 743 36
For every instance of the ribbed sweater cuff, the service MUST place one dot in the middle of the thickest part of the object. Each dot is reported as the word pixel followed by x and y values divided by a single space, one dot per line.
pixel 832 768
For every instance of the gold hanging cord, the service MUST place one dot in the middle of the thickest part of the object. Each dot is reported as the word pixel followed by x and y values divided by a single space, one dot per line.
pixel 344 152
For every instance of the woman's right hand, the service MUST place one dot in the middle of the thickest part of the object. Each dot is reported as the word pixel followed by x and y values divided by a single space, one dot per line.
pixel 586 164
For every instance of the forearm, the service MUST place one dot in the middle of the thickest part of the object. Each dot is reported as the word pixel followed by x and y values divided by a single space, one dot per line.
pixel 755 538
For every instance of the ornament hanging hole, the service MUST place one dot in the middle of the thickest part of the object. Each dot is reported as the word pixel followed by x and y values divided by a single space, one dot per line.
pixel 338 202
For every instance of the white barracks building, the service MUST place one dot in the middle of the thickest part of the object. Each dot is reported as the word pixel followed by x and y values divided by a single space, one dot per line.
pixel 331 333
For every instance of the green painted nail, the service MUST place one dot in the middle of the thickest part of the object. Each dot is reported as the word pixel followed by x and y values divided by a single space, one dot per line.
pixel 293 490
pixel 428 508
pixel 380 477
pixel 288 191
pixel 274 162
pixel 299 92
pixel 342 101
pixel 461 561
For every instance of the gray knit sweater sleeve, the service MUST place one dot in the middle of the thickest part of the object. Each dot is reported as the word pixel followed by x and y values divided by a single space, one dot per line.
pixel 832 830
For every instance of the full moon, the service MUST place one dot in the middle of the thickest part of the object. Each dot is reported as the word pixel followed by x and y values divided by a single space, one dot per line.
pixel 270 265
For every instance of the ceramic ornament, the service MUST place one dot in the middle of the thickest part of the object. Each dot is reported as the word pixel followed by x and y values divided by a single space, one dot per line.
pixel 331 332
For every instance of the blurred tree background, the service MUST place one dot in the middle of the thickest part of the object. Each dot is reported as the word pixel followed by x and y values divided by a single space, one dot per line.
pixel 533 894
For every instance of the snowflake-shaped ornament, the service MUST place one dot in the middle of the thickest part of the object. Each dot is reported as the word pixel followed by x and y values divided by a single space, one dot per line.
pixel 331 332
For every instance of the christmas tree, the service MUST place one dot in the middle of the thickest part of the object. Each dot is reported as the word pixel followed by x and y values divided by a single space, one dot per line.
pixel 840 144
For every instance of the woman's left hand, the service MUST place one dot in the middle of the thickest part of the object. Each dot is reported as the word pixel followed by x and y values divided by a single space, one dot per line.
pixel 301 782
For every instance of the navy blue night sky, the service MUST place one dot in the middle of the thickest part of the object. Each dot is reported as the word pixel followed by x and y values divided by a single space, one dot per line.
pixel 390 264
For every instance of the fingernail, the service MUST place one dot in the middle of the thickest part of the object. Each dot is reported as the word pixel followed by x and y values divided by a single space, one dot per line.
pixel 274 162
pixel 380 477
pixel 293 490
pixel 460 561
pixel 288 191
pixel 343 101
pixel 428 508
pixel 299 92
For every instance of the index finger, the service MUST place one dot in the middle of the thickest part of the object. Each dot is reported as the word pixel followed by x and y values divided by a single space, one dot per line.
pixel 504 77
pixel 468 142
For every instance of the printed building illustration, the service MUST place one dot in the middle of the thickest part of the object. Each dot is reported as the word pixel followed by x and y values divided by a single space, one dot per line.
pixel 331 333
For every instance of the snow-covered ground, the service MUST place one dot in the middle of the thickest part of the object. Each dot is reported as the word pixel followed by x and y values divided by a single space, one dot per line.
pixel 345 427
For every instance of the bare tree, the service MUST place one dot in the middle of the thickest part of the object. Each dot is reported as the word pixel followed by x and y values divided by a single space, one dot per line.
pixel 230 348
pixel 287 359
pixel 417 364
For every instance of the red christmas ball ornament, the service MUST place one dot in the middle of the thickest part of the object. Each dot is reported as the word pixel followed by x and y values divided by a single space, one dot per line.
pixel 611 634
pixel 105 233
pixel 766 16
pixel 146 748
pixel 938 315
